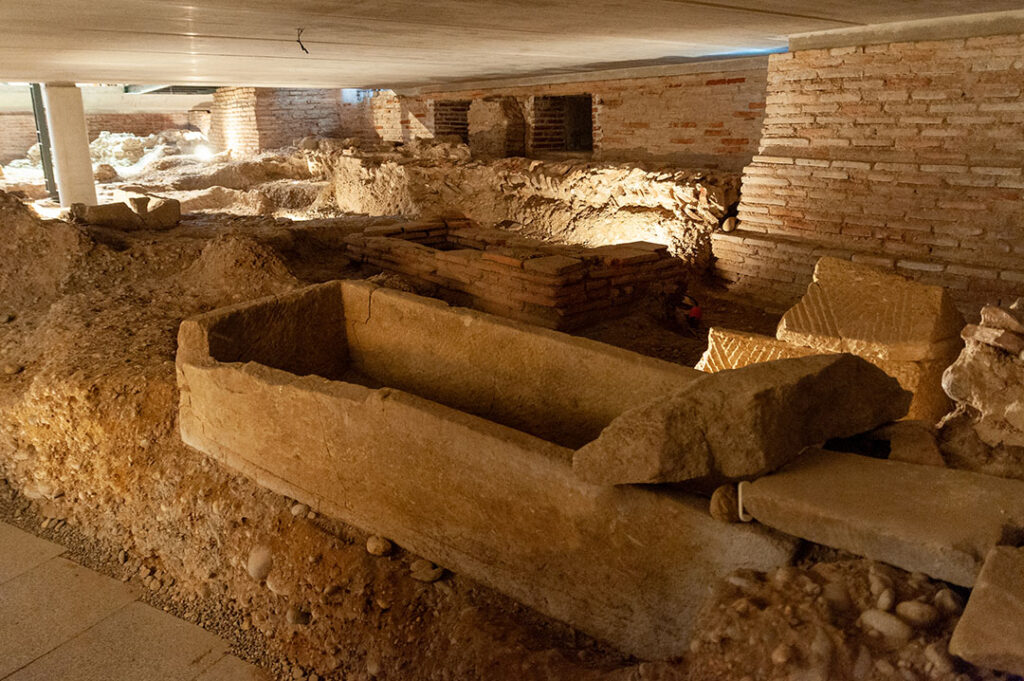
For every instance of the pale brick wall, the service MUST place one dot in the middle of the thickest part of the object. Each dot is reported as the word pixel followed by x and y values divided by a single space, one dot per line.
pixel 710 118
pixel 18 130
pixel 233 120
pixel 250 120
pixel 906 155
pixel 17 134
pixel 284 115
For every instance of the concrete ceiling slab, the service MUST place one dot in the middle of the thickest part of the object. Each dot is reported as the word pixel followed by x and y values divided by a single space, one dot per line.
pixel 394 43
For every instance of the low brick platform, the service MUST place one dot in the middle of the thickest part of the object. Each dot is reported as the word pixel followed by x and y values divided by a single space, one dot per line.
pixel 554 286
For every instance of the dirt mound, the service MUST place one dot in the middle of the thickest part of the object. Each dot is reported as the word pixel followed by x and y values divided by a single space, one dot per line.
pixel 222 199
pixel 240 265
pixel 242 174
pixel 37 256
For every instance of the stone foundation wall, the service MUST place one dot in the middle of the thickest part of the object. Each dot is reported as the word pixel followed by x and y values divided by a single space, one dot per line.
pixel 590 204
pixel 558 287
pixel 902 155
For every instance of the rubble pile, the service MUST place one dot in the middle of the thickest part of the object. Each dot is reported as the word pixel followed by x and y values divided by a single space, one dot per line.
pixel 985 432
pixel 849 620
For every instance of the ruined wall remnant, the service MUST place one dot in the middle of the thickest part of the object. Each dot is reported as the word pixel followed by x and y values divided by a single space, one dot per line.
pixel 437 458
pixel 904 155
pixel 591 204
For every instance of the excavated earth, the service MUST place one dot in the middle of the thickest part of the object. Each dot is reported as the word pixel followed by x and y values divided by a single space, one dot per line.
pixel 90 456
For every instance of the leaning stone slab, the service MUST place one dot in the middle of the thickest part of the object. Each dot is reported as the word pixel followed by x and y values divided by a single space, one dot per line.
pixel 938 521
pixel 991 631
pixel 728 349
pixel 742 423
pixel 850 307
pixel 266 389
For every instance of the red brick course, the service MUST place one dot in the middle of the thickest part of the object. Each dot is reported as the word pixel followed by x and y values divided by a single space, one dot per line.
pixel 907 155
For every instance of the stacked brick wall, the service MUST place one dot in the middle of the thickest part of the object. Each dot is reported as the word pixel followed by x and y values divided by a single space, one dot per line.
pixel 233 122
pixel 250 120
pixel 562 287
pixel 547 124
pixel 140 124
pixel 17 134
pixel 905 155
pixel 18 130
pixel 284 115
pixel 451 117
pixel 710 118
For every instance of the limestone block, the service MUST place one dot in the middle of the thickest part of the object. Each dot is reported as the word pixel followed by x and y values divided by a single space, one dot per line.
pixel 627 565
pixel 856 308
pixel 911 442
pixel 742 423
pixel 728 349
pixel 162 213
pixel 938 521
pixel 991 631
pixel 115 215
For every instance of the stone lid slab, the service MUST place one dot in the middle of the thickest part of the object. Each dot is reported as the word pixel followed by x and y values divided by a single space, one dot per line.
pixel 851 307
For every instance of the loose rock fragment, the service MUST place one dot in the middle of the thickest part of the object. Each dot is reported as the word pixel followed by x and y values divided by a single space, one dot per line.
pixel 917 614
pixel 296 615
pixel 425 571
pixel 378 546
pixel 892 628
pixel 725 504
pixel 997 318
pixel 261 559
pixel 997 338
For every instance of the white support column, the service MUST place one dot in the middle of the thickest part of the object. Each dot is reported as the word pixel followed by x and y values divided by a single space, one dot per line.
pixel 69 139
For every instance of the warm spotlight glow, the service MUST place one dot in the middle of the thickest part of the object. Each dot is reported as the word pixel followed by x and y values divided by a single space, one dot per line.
pixel 204 153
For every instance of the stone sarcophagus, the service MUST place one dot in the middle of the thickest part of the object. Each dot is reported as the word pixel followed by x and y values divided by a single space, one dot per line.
pixel 452 432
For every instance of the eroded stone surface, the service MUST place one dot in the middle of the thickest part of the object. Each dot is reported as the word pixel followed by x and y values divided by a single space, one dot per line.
pixel 742 423
pixel 938 521
pixel 856 308
pixel 990 382
pixel 991 631
pixel 728 349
